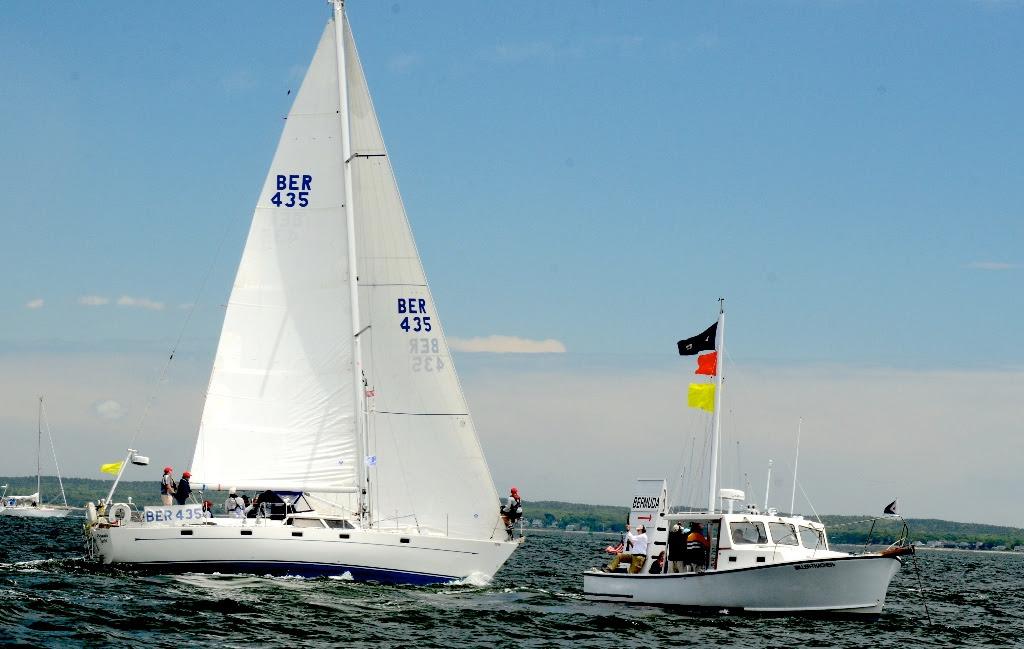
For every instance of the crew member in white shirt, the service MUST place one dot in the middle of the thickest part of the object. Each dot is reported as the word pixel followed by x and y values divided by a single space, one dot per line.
pixel 234 505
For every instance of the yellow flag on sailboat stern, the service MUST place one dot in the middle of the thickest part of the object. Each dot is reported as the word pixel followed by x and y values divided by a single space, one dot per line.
pixel 111 468
pixel 701 395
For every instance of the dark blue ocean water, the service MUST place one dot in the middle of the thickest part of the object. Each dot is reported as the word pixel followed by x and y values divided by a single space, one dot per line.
pixel 51 596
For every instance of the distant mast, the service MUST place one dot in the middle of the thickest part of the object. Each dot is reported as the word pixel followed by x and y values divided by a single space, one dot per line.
pixel 717 417
pixel 39 451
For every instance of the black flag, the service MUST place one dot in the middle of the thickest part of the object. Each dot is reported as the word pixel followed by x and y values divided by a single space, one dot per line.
pixel 699 343
pixel 890 509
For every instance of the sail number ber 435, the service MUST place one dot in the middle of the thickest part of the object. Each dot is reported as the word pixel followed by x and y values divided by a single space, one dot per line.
pixel 413 323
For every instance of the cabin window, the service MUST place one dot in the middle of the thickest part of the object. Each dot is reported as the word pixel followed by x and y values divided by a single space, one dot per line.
pixel 782 533
pixel 339 524
pixel 812 538
pixel 746 533
pixel 307 522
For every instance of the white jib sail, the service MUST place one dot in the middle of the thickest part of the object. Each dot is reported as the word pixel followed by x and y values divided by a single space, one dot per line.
pixel 429 468
pixel 279 408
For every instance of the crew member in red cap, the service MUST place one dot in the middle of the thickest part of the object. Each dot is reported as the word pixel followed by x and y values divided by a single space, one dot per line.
pixel 184 489
pixel 512 512
pixel 167 486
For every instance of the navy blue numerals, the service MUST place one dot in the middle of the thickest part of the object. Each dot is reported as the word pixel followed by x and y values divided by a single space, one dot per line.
pixel 292 190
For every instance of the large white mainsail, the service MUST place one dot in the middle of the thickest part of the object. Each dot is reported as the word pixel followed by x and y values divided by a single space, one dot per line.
pixel 430 470
pixel 279 411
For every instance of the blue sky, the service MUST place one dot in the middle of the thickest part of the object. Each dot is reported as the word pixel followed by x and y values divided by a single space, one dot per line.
pixel 846 174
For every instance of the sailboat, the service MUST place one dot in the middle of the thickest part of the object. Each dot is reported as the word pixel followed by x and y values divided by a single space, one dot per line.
pixel 32 506
pixel 752 561
pixel 333 393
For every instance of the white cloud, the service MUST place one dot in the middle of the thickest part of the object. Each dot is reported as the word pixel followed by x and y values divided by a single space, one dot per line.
pixel 992 265
pixel 93 300
pixel 506 345
pixel 141 302
pixel 109 409
pixel 35 304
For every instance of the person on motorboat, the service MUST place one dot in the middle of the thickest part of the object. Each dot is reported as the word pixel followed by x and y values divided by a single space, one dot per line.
pixel 658 565
pixel 676 548
pixel 167 486
pixel 184 489
pixel 697 548
pixel 636 555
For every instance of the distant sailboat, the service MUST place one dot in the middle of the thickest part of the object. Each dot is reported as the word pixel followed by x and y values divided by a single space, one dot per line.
pixel 333 387
pixel 32 506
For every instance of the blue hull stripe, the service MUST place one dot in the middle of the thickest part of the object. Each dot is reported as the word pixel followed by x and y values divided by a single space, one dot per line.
pixel 294 568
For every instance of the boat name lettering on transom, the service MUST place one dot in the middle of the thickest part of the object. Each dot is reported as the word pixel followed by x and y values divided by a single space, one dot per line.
pixel 805 566
pixel 646 502
pixel 292 190
pixel 424 355
pixel 414 323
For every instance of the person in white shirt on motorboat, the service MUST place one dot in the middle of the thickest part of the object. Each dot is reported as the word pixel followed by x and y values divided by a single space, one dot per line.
pixel 637 554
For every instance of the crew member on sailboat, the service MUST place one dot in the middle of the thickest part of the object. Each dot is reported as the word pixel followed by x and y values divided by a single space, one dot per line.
pixel 167 486
pixel 512 512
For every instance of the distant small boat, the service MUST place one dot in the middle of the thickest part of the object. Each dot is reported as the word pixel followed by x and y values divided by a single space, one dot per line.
pixel 32 506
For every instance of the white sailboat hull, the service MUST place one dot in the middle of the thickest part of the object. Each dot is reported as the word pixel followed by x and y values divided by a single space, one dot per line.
pixel 365 555
pixel 34 512
pixel 849 585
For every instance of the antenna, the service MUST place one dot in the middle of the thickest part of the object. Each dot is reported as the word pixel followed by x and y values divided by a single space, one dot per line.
pixel 792 499
pixel 768 487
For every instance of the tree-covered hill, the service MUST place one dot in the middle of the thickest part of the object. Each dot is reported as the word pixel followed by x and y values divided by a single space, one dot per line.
pixel 551 514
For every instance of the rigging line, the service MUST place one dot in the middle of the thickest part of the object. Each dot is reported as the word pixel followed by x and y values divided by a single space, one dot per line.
pixel 804 493
pixel 184 326
pixel 60 481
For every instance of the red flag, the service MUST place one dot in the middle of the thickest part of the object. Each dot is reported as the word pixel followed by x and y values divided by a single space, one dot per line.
pixel 707 364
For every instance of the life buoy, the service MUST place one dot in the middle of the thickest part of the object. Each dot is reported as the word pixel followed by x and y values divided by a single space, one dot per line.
pixel 120 512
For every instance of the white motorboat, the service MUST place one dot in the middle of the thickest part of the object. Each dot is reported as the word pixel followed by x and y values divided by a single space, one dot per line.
pixel 33 506
pixel 754 561
pixel 333 388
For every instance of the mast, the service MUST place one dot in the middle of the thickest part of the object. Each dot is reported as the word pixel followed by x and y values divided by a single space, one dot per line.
pixel 796 462
pixel 39 450
pixel 717 425
pixel 353 277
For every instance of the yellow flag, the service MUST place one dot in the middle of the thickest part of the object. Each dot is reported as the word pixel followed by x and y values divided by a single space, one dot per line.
pixel 701 395
pixel 112 468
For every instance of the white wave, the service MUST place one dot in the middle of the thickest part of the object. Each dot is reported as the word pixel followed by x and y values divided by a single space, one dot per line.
pixel 472 579
pixel 345 576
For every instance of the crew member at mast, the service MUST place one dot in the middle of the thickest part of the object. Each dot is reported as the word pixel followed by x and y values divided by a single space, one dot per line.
pixel 167 486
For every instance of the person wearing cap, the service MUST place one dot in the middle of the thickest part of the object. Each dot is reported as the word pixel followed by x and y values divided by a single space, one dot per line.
pixel 512 512
pixel 184 489
pixel 167 486
pixel 636 556
pixel 234 506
